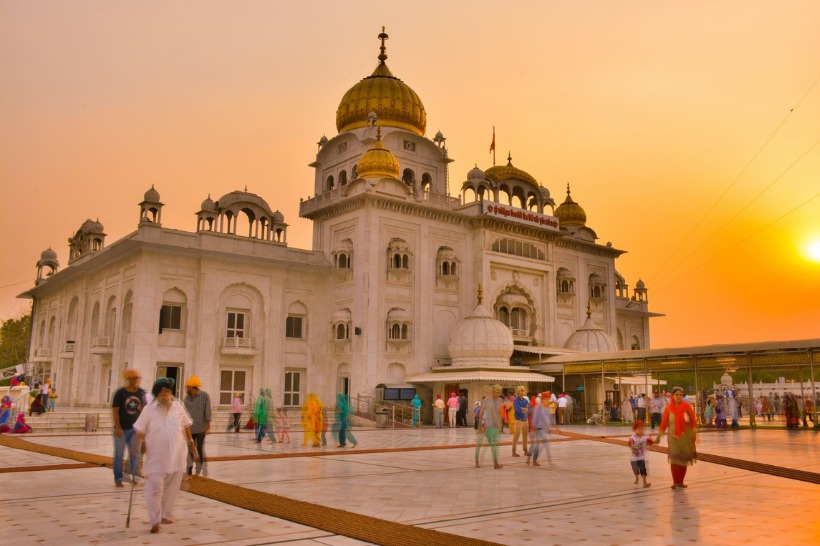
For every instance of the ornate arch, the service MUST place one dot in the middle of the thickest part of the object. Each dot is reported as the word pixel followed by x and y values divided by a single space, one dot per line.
pixel 534 327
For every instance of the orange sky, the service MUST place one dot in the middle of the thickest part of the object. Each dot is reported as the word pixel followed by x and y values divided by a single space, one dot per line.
pixel 673 122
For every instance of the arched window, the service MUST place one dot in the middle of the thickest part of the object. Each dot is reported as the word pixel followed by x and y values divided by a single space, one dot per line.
pixel 343 178
pixel 342 261
pixel 398 325
pixel 340 326
pixel 399 254
pixel 504 315
pixel 408 176
pixel 396 261
pixel 446 261
pixel 330 182
pixel 355 172
pixel 426 182
pixel 518 320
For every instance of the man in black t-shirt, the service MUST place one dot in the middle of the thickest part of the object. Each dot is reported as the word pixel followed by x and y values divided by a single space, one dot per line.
pixel 126 408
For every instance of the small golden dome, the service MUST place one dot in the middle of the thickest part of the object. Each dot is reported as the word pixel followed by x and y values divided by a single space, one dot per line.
pixel 378 161
pixel 570 213
pixel 503 172
pixel 392 100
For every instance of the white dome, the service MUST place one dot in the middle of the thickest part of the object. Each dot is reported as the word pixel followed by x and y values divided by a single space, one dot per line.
pixel 590 338
pixel 481 340
pixel 151 195
pixel 475 174
pixel 208 205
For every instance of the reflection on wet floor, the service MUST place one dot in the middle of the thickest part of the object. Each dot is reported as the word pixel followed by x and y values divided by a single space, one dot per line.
pixel 426 478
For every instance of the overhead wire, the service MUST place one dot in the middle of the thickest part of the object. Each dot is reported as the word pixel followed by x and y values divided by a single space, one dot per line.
pixel 736 179
pixel 740 242
pixel 745 207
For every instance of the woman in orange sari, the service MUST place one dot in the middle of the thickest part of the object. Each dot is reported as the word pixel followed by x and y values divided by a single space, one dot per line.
pixel 680 421
pixel 312 420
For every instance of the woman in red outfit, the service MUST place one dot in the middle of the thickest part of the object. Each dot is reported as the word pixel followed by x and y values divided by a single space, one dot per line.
pixel 680 420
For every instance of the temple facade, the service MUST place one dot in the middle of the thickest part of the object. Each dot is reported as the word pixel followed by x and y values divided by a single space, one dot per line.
pixel 378 303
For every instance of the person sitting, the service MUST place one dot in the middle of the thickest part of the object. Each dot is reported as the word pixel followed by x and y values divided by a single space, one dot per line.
pixel 5 414
pixel 20 427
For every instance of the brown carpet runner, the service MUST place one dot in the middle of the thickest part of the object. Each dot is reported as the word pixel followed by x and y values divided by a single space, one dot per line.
pixel 333 520
pixel 762 468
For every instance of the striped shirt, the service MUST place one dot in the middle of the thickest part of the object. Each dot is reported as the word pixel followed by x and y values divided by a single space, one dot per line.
pixel 199 408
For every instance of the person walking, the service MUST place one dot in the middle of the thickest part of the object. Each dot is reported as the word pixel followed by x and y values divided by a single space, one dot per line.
pixel 438 412
pixel 341 417
pixel 312 420
pixel 164 430
pixel 416 403
pixel 521 408
pixel 637 444
pixel 126 407
pixel 656 409
pixel 236 412
pixel 490 424
pixel 452 405
pixel 198 405
pixel 541 423
pixel 679 418
pixel 260 416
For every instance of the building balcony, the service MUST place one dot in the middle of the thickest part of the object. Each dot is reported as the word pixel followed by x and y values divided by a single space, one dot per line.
pixel 239 346
pixel 42 355
pixel 103 345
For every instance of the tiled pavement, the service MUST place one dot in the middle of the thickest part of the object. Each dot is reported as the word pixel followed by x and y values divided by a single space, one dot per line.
pixel 585 496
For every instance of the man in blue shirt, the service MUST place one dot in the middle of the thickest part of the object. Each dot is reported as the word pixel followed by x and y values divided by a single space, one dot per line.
pixel 521 407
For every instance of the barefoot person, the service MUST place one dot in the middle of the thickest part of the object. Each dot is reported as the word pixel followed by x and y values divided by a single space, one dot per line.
pixel 637 444
pixel 164 429
pixel 490 423
pixel 679 418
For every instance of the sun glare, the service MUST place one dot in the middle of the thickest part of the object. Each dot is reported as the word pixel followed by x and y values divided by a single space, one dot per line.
pixel 812 250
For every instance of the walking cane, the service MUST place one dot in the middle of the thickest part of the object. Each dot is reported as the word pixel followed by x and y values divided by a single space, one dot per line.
pixel 130 502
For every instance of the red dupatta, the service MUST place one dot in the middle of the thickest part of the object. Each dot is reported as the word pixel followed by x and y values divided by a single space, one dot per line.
pixel 680 412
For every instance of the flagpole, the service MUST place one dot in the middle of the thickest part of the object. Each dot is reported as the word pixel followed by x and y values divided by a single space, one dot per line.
pixel 492 146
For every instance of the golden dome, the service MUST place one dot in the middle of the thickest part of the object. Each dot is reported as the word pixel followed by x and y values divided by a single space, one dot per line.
pixel 570 213
pixel 503 172
pixel 393 102
pixel 378 161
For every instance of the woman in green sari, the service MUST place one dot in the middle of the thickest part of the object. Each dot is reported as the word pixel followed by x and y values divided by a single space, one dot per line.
pixel 680 420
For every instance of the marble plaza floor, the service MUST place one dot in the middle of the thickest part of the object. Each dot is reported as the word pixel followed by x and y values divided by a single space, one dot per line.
pixel 426 478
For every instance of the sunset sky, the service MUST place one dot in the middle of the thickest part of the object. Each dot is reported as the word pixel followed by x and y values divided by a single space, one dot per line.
pixel 689 131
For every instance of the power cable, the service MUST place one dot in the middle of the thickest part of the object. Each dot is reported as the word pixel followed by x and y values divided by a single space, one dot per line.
pixel 738 243
pixel 755 198
pixel 739 175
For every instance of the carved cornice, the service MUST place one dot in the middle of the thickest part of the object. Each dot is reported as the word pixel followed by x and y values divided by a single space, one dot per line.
pixel 590 248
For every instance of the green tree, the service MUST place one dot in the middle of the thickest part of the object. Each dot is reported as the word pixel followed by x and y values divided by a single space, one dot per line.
pixel 14 334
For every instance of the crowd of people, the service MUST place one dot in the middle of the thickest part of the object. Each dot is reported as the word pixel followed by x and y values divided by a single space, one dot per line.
pixel 529 418
pixel 164 438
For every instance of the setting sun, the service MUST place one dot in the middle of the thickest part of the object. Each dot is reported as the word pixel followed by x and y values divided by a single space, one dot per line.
pixel 811 250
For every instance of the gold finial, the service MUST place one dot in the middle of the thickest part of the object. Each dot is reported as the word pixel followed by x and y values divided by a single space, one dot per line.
pixel 383 36
pixel 589 310
pixel 378 132
pixel 480 295
pixel 567 189
pixel 246 188
pixel 509 159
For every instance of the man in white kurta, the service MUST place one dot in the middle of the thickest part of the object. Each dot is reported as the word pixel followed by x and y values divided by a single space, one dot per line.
pixel 164 427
